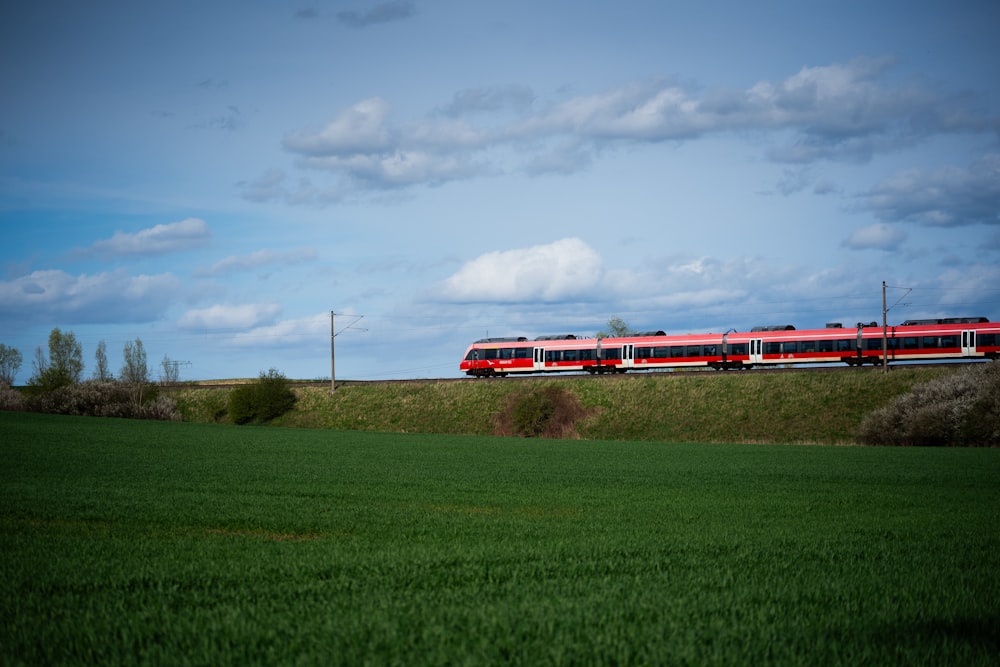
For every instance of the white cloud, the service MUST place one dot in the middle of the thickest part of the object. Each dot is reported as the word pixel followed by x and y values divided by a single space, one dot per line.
pixel 947 197
pixel 843 111
pixel 236 263
pixel 157 240
pixel 56 296
pixel 221 317
pixel 879 236
pixel 564 270
pixel 357 129
pixel 286 332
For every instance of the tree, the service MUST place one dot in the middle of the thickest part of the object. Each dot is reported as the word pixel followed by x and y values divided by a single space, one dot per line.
pixel 135 372
pixel 65 357
pixel 170 371
pixel 101 372
pixel 616 329
pixel 64 365
pixel 10 364
pixel 39 365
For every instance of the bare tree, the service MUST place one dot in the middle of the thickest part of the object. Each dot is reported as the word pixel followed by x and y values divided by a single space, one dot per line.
pixel 170 371
pixel 39 365
pixel 101 372
pixel 10 364
pixel 135 372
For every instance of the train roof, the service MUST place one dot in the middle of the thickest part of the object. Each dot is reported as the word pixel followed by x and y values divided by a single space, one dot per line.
pixel 946 320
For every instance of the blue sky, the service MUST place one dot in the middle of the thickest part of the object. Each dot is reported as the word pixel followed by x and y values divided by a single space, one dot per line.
pixel 215 178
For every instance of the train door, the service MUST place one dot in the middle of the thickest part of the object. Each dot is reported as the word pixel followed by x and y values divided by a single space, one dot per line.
pixel 968 343
pixel 756 347
pixel 539 358
pixel 628 355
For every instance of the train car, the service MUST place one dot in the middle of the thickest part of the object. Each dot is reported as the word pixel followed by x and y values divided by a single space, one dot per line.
pixel 914 340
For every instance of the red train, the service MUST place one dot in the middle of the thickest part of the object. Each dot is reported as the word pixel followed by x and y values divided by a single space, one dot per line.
pixel 950 338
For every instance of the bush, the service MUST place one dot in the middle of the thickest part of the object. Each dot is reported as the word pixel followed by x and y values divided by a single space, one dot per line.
pixel 10 399
pixel 264 399
pixel 961 409
pixel 102 398
pixel 549 412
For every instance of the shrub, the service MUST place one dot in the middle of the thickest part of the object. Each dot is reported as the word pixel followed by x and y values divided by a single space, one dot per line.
pixel 10 399
pixel 264 399
pixel 961 409
pixel 102 398
pixel 549 412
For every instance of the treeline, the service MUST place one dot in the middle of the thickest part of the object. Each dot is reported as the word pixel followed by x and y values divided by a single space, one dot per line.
pixel 57 384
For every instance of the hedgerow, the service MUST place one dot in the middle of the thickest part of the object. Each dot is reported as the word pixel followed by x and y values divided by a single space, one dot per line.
pixel 102 398
pixel 961 409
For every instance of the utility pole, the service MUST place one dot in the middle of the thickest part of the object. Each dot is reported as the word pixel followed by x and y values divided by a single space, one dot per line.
pixel 333 376
pixel 885 335
pixel 333 334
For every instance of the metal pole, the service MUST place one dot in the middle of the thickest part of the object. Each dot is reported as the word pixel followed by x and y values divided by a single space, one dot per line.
pixel 333 376
pixel 885 339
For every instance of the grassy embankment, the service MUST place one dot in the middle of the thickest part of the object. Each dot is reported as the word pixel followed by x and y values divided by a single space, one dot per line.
pixel 130 542
pixel 793 407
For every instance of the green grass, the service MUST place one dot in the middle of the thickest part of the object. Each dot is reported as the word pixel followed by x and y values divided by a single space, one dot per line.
pixel 135 542
pixel 800 407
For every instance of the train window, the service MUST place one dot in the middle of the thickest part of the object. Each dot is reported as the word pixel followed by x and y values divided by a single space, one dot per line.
pixel 505 353
pixel 910 343
pixel 846 345
pixel 949 341
pixel 824 346
pixel 643 352
pixel 587 355
pixel 677 351
pixel 613 353
pixel 661 352
pixel 772 348
pixel 709 351
pixel 472 355
pixel 789 347
pixel 490 353
pixel 692 351
pixel 738 348
pixel 929 341
pixel 522 353
pixel 985 339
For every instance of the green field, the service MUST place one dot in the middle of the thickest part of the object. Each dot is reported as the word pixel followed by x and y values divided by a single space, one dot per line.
pixel 169 543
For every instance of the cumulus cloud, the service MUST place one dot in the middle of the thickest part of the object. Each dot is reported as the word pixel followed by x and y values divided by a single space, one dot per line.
pixel 564 270
pixel 221 317
pixel 109 297
pixel 879 236
pixel 357 129
pixel 946 197
pixel 286 332
pixel 256 260
pixel 157 240
pixel 843 111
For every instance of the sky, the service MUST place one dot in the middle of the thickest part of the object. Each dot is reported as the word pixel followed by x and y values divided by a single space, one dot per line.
pixel 216 178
